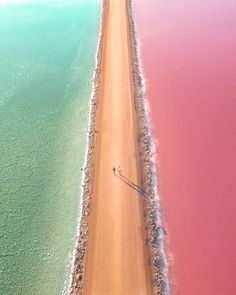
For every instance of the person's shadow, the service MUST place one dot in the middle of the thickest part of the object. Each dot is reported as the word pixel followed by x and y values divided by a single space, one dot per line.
pixel 129 183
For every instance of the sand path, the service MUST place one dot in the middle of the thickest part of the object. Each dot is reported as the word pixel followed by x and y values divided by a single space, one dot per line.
pixel 117 258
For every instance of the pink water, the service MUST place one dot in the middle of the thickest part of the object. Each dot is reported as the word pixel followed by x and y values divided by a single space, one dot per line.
pixel 189 58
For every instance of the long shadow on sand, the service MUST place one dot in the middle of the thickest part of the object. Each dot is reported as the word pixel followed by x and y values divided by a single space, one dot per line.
pixel 130 183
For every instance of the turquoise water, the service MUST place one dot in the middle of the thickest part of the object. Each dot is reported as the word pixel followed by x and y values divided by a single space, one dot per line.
pixel 47 58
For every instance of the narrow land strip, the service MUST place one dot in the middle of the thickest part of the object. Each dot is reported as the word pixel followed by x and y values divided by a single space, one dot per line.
pixel 119 210
pixel 116 260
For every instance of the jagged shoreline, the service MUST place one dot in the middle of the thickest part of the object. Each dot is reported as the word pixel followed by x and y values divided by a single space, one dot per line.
pixel 77 271
pixel 151 203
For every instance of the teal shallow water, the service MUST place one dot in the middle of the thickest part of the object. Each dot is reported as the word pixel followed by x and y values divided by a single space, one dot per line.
pixel 47 58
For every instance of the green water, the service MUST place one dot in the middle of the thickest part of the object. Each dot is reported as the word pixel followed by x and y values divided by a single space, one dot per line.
pixel 47 58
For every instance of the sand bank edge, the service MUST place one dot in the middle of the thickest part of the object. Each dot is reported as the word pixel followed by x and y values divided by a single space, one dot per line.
pixel 77 270
pixel 147 150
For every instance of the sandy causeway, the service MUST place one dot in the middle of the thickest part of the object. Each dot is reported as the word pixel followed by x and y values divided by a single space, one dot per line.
pixel 115 254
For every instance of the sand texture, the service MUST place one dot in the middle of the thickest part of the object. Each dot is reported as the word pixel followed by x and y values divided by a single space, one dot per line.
pixel 120 243
pixel 116 259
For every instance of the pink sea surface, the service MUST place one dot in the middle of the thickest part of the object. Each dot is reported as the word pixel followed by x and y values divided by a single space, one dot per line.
pixel 189 58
